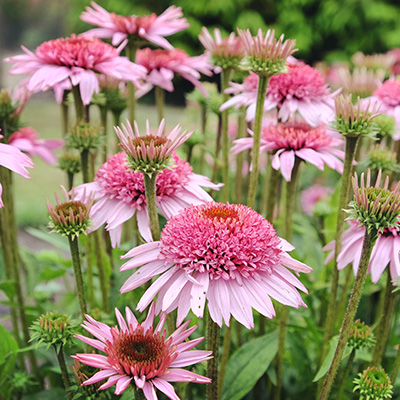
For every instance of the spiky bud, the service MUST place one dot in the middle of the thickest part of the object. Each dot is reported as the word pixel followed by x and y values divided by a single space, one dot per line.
pixel 360 335
pixel 382 159
pixel 373 384
pixel 6 105
pixel 70 218
pixel 69 163
pixel 385 125
pixel 84 136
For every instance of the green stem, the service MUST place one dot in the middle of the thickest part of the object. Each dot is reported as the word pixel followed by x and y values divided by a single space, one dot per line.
pixel 287 234
pixel 213 338
pixel 76 263
pixel 217 150
pixel 104 123
pixel 102 274
pixel 261 92
pixel 160 102
pixel 225 78
pixel 225 355
pixel 150 191
pixel 396 367
pixel 65 113
pixel 272 193
pixel 79 107
pixel 203 118
pixel 382 334
pixel 341 308
pixel 345 374
pixel 351 145
pixel 85 165
pixel 64 371
pixel 131 53
pixel 368 244
pixel 239 157
pixel 89 270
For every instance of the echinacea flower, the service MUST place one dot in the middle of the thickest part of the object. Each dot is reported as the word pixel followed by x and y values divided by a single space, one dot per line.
pixel 139 355
pixel 312 195
pixel 225 53
pixel 382 61
pixel 151 27
pixel 162 65
pixel 120 193
pixel 289 140
pixel 265 55
pixel 27 140
pixel 227 254
pixel 71 217
pixel 14 160
pixel 373 384
pixel 76 59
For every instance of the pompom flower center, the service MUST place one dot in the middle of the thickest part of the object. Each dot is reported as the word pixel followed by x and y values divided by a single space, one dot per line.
pixel 297 136
pixel 227 241
pixel 133 24
pixel 389 93
pixel 159 58
pixel 76 52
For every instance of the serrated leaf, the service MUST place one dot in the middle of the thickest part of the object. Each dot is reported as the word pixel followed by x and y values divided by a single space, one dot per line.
pixel 247 365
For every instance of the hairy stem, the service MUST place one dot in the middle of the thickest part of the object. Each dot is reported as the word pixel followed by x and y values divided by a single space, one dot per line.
pixel 64 371
pixel 160 102
pixel 213 337
pixel 150 191
pixel 225 355
pixel 345 374
pixel 239 158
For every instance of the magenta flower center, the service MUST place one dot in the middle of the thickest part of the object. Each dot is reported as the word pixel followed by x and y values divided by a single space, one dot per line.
pixel 132 24
pixel 296 136
pixel 227 241
pixel 76 52
pixel 119 182
pixel 139 353
pixel 301 82
pixel 389 93
pixel 157 59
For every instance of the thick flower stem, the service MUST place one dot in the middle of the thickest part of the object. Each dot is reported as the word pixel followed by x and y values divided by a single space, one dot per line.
pixel 102 274
pixel 150 191
pixel 351 145
pixel 383 331
pixel 65 113
pixel 104 124
pixel 79 107
pixel 85 165
pixel 225 78
pixel 131 53
pixel 261 92
pixel 368 244
pixel 396 367
pixel 64 371
pixel 287 234
pixel 74 248
pixel 239 157
pixel 160 102
pixel 225 356
pixel 203 118
pixel 213 337
pixel 345 374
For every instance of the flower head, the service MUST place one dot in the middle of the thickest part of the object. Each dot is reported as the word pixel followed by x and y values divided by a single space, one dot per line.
pixel 151 27
pixel 373 384
pixel 225 53
pixel 150 153
pixel 225 253
pixel 70 218
pixel 84 136
pixel 265 54
pixel 162 65
pixel 312 196
pixel 375 207
pixel 70 163
pixel 141 355
pixel 121 194
pixel 76 59
pixel 297 139
pixel 382 159
pixel 383 62
pixel 27 140
pixel 360 335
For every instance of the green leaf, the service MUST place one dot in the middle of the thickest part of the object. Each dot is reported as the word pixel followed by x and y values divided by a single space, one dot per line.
pixel 8 350
pixel 49 273
pixel 328 359
pixel 247 365
pixel 8 287
pixel 57 241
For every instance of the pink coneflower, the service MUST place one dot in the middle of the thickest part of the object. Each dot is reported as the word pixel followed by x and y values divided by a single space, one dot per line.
pixel 385 252
pixel 121 194
pixel 162 65
pixel 16 161
pixel 137 354
pixel 151 27
pixel 296 139
pixel 225 253
pixel 27 140
pixel 312 195
pixel 77 59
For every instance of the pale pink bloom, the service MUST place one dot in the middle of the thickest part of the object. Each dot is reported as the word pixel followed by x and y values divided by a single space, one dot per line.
pixel 150 27
pixel 288 140
pixel 395 53
pixel 121 194
pixel 27 140
pixel 16 161
pixel 75 59
pixel 312 195
pixel 162 65
pixel 227 254
pixel 385 252
pixel 387 96
pixel 137 354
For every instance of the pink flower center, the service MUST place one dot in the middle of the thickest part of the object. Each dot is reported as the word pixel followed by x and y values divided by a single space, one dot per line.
pixel 301 82
pixel 157 59
pixel 132 24
pixel 296 136
pixel 227 241
pixel 139 353
pixel 119 182
pixel 76 51
pixel 389 93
